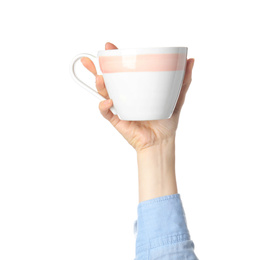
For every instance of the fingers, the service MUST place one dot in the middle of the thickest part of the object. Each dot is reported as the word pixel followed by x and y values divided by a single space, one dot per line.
pixel 100 86
pixel 110 46
pixel 104 107
pixel 186 83
pixel 89 65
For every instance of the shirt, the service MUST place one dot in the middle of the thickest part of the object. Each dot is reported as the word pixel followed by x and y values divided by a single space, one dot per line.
pixel 161 230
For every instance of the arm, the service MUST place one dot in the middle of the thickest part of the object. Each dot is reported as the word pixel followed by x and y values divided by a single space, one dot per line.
pixel 162 232
pixel 161 228
pixel 156 170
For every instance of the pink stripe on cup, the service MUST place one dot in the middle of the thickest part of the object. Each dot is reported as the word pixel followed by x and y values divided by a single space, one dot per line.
pixel 144 62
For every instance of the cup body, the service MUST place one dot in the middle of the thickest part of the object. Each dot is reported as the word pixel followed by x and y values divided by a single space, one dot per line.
pixel 145 83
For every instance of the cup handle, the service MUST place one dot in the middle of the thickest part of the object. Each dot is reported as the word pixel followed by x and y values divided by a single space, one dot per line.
pixel 81 83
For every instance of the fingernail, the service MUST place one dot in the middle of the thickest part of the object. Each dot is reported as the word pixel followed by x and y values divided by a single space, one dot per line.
pixel 193 63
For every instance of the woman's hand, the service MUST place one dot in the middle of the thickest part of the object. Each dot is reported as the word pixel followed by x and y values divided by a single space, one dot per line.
pixel 141 134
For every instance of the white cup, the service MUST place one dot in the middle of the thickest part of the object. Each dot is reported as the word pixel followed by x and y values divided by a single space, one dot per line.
pixel 143 83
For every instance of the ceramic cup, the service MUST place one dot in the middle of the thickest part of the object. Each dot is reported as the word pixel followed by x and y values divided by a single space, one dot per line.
pixel 143 83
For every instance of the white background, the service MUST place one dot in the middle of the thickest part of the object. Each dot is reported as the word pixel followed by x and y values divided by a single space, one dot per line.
pixel 68 180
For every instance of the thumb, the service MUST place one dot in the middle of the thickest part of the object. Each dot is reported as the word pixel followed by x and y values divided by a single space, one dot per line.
pixel 186 83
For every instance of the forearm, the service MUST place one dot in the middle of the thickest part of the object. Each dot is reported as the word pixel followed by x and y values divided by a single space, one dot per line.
pixel 156 170
pixel 161 227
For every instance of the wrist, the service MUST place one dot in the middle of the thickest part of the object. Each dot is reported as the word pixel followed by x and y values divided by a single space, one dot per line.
pixel 156 170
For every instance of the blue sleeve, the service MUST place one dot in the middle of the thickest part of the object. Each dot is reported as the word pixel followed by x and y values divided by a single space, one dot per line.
pixel 161 230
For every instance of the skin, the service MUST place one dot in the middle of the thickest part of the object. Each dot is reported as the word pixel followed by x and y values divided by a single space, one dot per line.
pixel 154 141
pixel 140 134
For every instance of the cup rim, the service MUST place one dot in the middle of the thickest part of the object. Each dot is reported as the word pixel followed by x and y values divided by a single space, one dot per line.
pixel 137 51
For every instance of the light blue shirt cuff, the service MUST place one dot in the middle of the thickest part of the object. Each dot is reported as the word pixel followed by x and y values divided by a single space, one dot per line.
pixel 161 230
